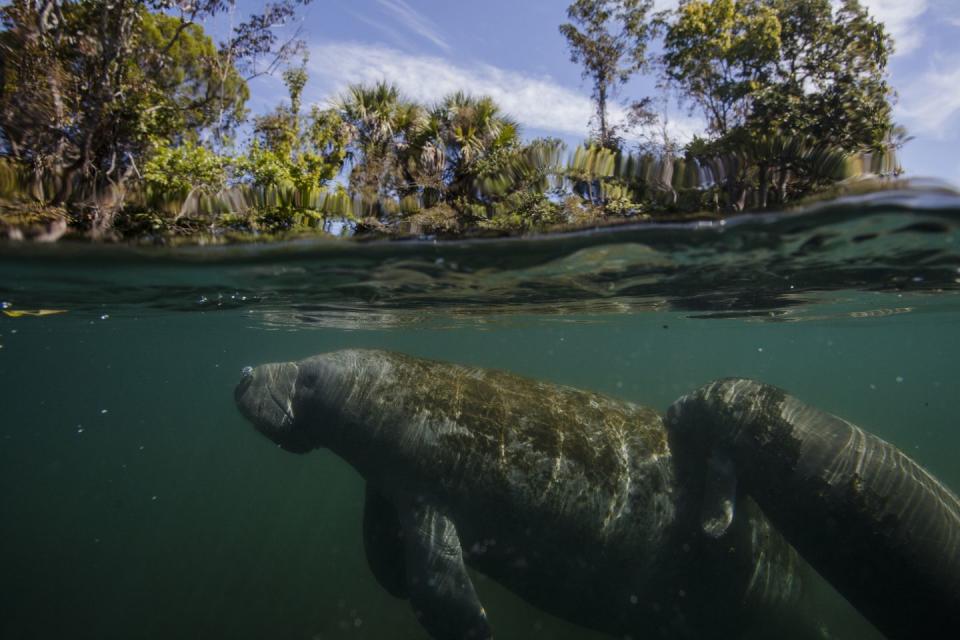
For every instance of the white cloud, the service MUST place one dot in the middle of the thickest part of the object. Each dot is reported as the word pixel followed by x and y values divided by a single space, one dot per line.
pixel 932 102
pixel 683 127
pixel 901 19
pixel 386 29
pixel 414 21
pixel 536 102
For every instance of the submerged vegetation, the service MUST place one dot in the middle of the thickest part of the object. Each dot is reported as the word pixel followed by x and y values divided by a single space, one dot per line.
pixel 123 118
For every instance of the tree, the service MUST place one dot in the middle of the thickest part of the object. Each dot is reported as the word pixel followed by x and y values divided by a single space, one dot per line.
pixel 90 86
pixel 291 150
pixel 720 52
pixel 445 149
pixel 519 186
pixel 782 84
pixel 830 80
pixel 381 121
pixel 433 159
pixel 757 68
pixel 609 38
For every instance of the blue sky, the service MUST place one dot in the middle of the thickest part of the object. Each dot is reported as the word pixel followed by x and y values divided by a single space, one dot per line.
pixel 512 50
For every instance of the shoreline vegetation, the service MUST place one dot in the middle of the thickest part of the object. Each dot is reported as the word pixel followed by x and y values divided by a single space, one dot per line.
pixel 123 120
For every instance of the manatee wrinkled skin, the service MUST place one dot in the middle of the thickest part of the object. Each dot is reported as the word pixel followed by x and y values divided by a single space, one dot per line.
pixel 568 498
pixel 875 524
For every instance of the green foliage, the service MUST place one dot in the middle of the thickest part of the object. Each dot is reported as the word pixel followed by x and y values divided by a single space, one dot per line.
pixel 832 63
pixel 519 187
pixel 447 150
pixel 109 81
pixel 104 100
pixel 183 85
pixel 184 168
pixel 379 119
pixel 435 156
pixel 761 68
pixel 90 90
pixel 719 52
pixel 293 158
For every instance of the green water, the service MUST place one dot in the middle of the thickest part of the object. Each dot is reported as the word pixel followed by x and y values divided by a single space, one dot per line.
pixel 135 502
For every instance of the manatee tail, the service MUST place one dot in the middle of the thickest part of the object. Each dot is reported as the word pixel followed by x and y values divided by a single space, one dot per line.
pixel 870 520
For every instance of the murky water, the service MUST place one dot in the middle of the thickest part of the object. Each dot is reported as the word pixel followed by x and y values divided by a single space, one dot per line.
pixel 136 502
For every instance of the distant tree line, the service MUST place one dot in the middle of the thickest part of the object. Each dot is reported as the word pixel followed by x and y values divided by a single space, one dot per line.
pixel 121 116
pixel 782 86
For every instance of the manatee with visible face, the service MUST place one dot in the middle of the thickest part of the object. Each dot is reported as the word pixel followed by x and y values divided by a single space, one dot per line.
pixel 873 522
pixel 566 497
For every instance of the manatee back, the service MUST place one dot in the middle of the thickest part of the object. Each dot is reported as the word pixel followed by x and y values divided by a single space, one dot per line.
pixel 571 456
pixel 873 522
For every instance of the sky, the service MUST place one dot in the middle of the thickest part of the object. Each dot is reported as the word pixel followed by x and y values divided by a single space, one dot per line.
pixel 512 50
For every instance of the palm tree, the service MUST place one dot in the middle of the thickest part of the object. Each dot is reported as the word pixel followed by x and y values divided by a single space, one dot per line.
pixel 459 132
pixel 401 150
pixel 381 120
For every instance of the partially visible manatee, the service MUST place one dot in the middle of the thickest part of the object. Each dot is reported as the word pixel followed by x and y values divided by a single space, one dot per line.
pixel 873 522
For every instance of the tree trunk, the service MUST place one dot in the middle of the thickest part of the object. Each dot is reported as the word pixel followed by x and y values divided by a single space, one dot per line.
pixel 602 113
pixel 764 185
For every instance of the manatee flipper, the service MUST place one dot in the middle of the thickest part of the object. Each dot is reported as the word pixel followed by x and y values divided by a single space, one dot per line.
pixel 440 590
pixel 870 520
pixel 719 495
pixel 383 543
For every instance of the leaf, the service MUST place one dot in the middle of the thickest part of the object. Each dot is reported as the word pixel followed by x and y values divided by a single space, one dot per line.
pixel 24 313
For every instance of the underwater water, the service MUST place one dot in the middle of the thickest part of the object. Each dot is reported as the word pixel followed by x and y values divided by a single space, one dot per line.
pixel 136 502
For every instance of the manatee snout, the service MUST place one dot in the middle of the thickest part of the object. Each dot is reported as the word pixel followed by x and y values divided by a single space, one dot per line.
pixel 265 396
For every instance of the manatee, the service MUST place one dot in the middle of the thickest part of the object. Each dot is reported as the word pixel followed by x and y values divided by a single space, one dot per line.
pixel 873 522
pixel 566 497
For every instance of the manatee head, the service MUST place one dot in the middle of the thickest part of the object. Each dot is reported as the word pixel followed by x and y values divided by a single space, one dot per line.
pixel 266 396
pixel 301 405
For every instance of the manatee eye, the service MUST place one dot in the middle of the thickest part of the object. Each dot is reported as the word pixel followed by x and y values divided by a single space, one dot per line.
pixel 246 372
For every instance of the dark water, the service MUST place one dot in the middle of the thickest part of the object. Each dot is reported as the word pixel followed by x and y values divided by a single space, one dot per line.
pixel 135 502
